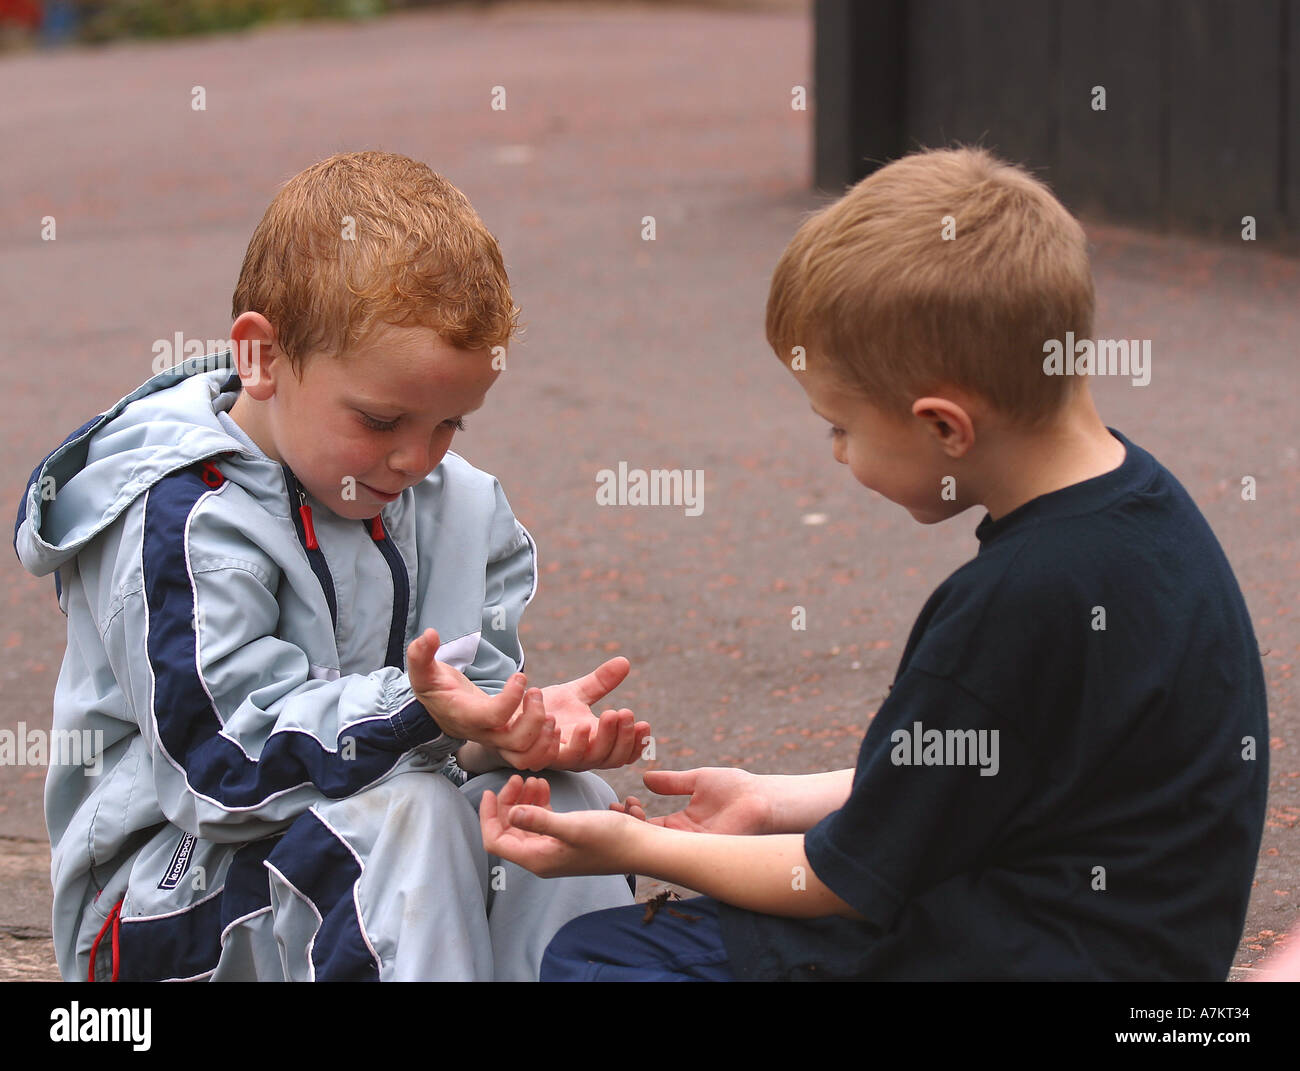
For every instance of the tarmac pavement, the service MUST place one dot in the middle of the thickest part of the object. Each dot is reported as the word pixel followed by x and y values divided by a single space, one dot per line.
pixel 644 352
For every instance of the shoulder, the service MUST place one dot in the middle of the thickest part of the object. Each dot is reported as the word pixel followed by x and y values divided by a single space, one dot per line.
pixel 456 475
pixel 459 498
pixel 198 518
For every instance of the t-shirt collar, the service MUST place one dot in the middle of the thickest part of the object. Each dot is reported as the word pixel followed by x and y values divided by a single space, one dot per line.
pixel 1088 496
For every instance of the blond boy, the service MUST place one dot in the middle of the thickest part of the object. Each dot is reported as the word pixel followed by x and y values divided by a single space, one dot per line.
pixel 1067 778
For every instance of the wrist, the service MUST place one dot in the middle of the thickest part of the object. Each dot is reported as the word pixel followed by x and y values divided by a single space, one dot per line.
pixel 643 849
pixel 433 717
pixel 476 758
pixel 780 793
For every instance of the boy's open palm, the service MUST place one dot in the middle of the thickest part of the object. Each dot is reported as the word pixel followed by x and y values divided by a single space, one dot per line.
pixel 722 801
pixel 520 826
pixel 588 742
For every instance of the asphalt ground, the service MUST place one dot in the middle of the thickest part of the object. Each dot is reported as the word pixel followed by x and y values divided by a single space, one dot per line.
pixel 649 353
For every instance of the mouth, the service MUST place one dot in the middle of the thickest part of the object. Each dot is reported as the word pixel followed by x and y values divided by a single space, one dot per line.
pixel 387 496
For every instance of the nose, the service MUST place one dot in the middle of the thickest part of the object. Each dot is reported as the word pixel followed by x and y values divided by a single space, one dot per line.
pixel 837 451
pixel 416 457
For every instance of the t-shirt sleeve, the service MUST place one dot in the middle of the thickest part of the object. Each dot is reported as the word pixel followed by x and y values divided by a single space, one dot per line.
pixel 939 778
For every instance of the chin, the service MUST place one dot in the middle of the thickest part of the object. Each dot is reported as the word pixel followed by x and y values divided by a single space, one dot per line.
pixel 349 510
pixel 926 517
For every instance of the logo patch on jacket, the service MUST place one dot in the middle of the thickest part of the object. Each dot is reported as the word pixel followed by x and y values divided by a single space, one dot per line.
pixel 180 862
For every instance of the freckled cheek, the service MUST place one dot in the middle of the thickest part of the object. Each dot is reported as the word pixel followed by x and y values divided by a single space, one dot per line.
pixel 358 459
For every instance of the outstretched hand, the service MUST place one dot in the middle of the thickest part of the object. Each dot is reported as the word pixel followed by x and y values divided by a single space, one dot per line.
pixel 588 742
pixel 722 800
pixel 520 826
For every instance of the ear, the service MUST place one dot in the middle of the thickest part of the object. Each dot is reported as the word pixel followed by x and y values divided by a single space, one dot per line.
pixel 255 354
pixel 948 422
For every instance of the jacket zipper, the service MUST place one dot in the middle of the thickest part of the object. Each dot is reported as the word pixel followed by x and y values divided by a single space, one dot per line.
pixel 401 591
pixel 306 530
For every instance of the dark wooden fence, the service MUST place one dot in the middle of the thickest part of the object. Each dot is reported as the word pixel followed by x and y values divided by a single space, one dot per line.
pixel 1201 124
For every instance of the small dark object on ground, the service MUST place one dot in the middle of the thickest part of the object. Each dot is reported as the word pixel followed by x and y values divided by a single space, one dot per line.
pixel 659 900
pixel 655 902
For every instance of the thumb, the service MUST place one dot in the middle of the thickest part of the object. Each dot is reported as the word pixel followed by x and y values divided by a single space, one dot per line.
pixel 530 818
pixel 420 658
pixel 670 782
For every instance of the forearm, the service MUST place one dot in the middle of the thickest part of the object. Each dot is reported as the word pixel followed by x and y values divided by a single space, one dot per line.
pixel 799 801
pixel 768 874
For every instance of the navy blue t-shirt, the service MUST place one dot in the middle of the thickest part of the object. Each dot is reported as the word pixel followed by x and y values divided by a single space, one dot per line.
pixel 1067 779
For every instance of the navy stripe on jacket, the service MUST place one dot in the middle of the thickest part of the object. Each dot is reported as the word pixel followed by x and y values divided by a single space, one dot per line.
pixel 189 727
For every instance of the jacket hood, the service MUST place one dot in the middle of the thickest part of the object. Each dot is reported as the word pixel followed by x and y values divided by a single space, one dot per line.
pixel 167 423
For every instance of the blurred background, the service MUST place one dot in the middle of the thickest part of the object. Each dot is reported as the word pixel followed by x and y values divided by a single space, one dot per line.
pixel 727 123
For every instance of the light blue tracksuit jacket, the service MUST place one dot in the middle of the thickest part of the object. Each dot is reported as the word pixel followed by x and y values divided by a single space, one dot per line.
pixel 239 675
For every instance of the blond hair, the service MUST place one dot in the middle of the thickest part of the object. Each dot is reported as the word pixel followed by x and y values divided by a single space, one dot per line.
pixel 420 256
pixel 870 286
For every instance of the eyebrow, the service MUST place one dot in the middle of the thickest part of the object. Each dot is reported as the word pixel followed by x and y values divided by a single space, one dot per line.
pixel 367 404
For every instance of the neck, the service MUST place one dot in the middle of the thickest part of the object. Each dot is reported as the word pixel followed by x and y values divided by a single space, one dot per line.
pixel 1021 465
pixel 248 415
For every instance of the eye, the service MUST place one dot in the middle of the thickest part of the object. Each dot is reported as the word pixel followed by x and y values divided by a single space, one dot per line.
pixel 377 425
pixel 458 424
pixel 835 433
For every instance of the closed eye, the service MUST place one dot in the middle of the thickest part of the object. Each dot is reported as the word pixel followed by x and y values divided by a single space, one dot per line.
pixel 377 425
pixel 458 423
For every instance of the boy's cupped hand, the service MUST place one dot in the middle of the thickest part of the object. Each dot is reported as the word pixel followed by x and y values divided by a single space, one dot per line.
pixel 520 826
pixel 534 729
pixel 588 742
pixel 514 722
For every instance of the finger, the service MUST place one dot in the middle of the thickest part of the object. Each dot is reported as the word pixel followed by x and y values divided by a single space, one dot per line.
pixel 519 732
pixel 620 749
pixel 546 755
pixel 602 740
pixel 489 819
pixel 670 782
pixel 428 641
pixel 602 680
pixel 536 820
pixel 624 749
pixel 420 660
pixel 572 755
pixel 503 706
pixel 605 756
pixel 531 794
pixel 543 751
pixel 539 792
pixel 631 806
pixel 512 791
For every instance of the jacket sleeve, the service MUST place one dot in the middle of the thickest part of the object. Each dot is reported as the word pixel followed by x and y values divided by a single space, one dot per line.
pixel 243 731
pixel 509 585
